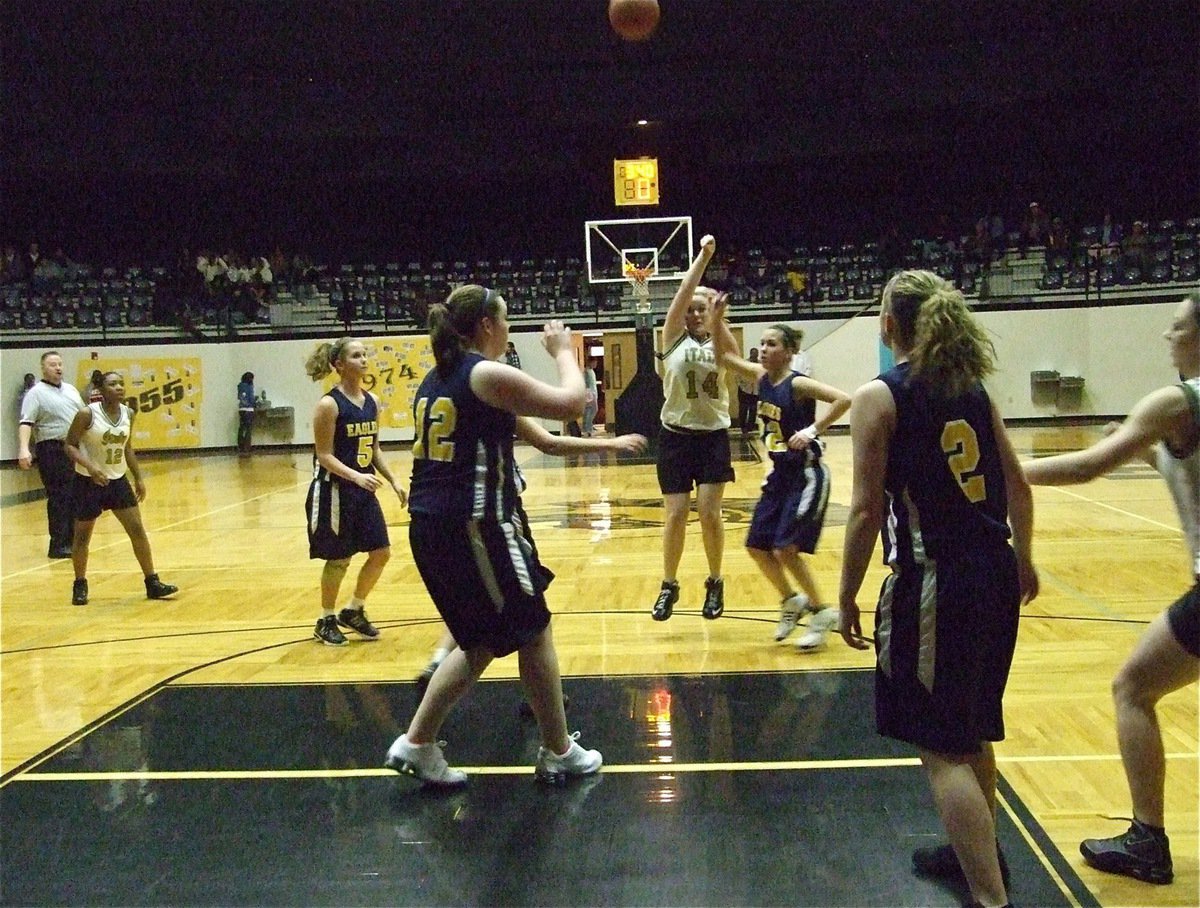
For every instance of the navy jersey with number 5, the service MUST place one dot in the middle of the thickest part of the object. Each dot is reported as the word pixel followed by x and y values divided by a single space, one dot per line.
pixel 463 450
pixel 946 495
pixel 354 435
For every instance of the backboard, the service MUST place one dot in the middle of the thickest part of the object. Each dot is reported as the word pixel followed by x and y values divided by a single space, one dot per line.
pixel 664 245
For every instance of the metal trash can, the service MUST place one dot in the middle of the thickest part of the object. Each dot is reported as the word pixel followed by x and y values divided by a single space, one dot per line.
pixel 1070 392
pixel 1043 387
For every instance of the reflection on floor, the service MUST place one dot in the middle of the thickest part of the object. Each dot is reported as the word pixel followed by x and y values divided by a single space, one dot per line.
pixel 763 789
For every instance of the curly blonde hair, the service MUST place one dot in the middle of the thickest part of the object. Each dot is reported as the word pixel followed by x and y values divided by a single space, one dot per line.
pixel 947 348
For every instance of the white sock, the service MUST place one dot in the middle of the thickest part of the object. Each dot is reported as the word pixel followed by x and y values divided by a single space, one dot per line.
pixel 356 604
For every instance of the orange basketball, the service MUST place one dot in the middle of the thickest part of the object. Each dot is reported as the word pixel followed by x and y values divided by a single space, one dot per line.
pixel 633 20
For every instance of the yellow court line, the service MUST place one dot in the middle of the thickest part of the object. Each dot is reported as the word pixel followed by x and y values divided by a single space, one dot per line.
pixel 1036 849
pixel 638 768
pixel 622 769
pixel 1122 511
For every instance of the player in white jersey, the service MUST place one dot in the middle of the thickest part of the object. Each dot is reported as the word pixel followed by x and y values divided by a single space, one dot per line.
pixel 693 446
pixel 1164 430
pixel 100 442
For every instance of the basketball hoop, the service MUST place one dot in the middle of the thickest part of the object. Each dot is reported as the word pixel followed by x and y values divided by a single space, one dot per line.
pixel 640 279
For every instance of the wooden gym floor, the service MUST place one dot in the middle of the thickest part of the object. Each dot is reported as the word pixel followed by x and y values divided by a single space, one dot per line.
pixel 206 750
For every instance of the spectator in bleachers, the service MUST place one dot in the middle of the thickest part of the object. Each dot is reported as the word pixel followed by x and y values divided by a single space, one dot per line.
pixel 1059 237
pixel 891 250
pixel 12 265
pixel 999 233
pixel 978 247
pixel 1136 246
pixel 32 257
pixel 1034 229
pixel 1111 233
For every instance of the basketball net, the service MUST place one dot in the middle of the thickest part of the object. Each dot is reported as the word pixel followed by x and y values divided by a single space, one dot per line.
pixel 639 278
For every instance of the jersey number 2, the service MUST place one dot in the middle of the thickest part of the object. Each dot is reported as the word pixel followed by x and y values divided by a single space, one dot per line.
pixel 961 446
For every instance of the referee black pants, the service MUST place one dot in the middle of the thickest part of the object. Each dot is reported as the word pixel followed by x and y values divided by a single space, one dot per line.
pixel 57 476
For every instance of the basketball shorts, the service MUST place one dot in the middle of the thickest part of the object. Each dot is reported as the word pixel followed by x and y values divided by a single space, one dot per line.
pixel 1184 618
pixel 485 579
pixel 343 519
pixel 91 500
pixel 687 459
pixel 791 511
pixel 945 633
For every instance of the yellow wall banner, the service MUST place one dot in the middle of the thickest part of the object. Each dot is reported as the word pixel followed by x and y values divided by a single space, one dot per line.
pixel 397 366
pixel 164 393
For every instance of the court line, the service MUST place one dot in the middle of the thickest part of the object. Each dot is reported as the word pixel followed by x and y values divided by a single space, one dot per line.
pixel 1034 845
pixel 159 529
pixel 1115 509
pixel 617 769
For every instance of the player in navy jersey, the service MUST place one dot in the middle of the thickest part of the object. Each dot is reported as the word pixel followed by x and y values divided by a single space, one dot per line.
pixel 1163 429
pixel 469 538
pixel 791 512
pixel 935 473
pixel 343 511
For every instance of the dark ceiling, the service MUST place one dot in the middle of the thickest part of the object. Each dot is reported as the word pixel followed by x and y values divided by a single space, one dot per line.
pixel 347 124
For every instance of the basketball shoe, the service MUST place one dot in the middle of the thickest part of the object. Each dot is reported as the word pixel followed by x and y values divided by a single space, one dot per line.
pixel 327 631
pixel 555 769
pixel 156 589
pixel 941 862
pixel 819 626
pixel 356 620
pixel 1140 852
pixel 79 592
pixel 424 762
pixel 714 598
pixel 789 613
pixel 665 603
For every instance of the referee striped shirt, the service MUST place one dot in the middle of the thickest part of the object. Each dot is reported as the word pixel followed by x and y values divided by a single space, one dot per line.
pixel 50 409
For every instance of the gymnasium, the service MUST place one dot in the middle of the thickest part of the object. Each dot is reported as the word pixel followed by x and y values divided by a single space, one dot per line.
pixel 196 191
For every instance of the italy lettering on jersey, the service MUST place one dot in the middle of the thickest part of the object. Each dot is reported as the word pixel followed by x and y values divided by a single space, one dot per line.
pixel 782 417
pixel 463 451
pixel 946 494
pixel 694 392
pixel 354 435
pixel 105 441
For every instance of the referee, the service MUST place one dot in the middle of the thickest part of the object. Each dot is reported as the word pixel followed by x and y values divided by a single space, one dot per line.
pixel 49 407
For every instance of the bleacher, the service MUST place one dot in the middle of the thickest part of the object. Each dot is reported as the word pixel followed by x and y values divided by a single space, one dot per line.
pixel 393 296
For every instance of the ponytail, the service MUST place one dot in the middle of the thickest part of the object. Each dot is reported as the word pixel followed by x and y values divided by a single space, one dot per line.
pixel 321 361
pixel 452 324
pixel 948 349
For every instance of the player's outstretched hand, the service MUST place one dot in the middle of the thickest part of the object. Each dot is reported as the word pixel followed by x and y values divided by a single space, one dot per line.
pixel 630 444
pixel 556 337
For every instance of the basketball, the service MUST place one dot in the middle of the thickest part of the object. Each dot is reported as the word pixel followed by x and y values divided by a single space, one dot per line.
pixel 633 20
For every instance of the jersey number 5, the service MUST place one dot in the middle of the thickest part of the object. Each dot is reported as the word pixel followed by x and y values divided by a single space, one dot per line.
pixel 961 445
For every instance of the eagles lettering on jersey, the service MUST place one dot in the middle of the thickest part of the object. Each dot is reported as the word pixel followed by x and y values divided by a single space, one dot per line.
pixel 354 435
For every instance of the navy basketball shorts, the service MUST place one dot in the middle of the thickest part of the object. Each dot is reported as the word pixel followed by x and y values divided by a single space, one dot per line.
pixel 343 519
pixel 791 511
pixel 945 633
pixel 1184 618
pixel 485 579
pixel 687 459
pixel 90 500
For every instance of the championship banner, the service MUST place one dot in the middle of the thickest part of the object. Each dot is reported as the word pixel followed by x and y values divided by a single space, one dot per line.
pixel 164 394
pixel 397 366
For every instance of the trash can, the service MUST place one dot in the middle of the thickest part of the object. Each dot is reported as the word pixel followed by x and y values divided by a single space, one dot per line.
pixel 1043 387
pixel 1070 392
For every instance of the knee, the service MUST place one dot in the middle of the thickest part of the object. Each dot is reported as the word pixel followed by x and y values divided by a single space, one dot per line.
pixel 1129 691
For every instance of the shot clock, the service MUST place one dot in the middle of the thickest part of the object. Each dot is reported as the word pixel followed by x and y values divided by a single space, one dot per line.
pixel 635 181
